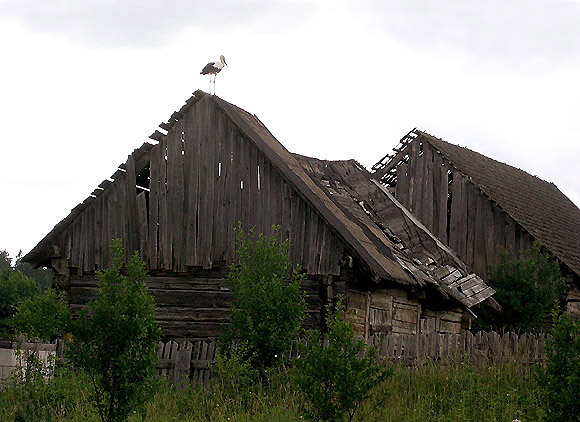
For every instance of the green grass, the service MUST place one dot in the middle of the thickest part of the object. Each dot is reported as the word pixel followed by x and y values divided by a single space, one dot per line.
pixel 429 393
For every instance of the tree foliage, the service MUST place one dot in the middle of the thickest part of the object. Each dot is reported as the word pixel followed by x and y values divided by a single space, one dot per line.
pixel 116 341
pixel 526 288
pixel 44 317
pixel 15 287
pixel 335 371
pixel 5 260
pixel 268 306
pixel 17 284
pixel 561 377
pixel 43 276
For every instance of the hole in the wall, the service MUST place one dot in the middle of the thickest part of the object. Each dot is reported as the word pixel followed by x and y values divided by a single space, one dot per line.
pixel 143 180
pixel 182 143
pixel 219 169
pixel 241 184
pixel 449 200
pixel 259 186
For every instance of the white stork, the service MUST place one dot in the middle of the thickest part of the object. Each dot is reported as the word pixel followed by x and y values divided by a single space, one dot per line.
pixel 213 68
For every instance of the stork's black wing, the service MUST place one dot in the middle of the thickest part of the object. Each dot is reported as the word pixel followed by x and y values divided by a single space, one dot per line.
pixel 210 68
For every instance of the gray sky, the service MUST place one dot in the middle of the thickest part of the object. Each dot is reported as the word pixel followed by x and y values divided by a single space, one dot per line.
pixel 83 83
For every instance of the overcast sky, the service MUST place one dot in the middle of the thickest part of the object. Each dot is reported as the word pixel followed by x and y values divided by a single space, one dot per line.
pixel 83 83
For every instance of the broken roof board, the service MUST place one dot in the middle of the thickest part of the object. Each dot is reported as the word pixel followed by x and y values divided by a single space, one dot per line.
pixel 538 206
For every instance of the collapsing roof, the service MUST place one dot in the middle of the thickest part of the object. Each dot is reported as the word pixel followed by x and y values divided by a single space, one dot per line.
pixel 374 227
pixel 538 206
pixel 422 255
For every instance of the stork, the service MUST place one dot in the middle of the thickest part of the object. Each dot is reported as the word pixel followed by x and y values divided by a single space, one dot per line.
pixel 213 68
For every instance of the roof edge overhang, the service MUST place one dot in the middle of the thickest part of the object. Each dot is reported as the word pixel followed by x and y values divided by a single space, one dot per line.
pixel 381 263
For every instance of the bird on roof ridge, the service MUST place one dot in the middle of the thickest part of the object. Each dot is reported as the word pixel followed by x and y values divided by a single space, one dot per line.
pixel 212 69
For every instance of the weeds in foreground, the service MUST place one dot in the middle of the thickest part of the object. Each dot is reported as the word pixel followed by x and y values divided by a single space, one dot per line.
pixel 432 392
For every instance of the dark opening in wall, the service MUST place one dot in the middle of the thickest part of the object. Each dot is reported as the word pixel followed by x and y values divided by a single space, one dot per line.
pixel 143 182
pixel 449 199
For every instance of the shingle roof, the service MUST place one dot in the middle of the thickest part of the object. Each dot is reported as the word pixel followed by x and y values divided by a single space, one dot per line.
pixel 538 206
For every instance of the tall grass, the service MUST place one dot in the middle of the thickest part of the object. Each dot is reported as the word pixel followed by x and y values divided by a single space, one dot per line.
pixel 458 392
pixel 428 393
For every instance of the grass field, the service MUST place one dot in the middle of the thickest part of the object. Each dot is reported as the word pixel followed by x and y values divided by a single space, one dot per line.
pixel 457 392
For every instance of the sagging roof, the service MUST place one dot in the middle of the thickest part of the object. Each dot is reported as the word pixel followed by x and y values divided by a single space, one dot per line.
pixel 352 188
pixel 384 239
pixel 538 206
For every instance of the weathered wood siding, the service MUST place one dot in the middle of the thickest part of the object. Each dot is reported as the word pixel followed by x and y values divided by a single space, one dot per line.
pixel 573 302
pixel 383 311
pixel 455 210
pixel 196 304
pixel 203 177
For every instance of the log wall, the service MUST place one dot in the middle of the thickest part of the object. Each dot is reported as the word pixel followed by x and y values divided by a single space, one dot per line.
pixel 195 305
pixel 455 210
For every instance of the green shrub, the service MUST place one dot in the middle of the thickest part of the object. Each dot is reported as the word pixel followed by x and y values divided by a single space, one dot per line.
pixel 233 373
pixel 116 341
pixel 44 317
pixel 269 305
pixel 526 288
pixel 338 376
pixel 15 287
pixel 561 377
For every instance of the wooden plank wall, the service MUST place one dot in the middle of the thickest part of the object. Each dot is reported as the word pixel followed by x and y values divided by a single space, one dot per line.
pixel 384 311
pixel 455 210
pixel 205 175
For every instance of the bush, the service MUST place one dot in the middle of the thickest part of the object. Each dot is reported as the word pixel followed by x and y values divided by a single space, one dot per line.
pixel 44 317
pixel 269 305
pixel 561 377
pixel 526 288
pixel 336 378
pixel 233 373
pixel 116 341
pixel 15 287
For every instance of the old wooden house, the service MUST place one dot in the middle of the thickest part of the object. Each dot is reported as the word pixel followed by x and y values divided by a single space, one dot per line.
pixel 478 206
pixel 177 201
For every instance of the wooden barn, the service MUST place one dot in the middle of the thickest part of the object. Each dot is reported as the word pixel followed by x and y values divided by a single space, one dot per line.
pixel 478 206
pixel 214 164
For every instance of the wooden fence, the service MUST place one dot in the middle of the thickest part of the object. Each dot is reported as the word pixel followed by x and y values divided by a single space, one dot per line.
pixel 193 360
pixel 179 361
pixel 182 361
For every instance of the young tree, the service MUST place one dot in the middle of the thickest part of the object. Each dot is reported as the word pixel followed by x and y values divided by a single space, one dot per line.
pixel 526 288
pixel 116 341
pixel 560 379
pixel 269 305
pixel 335 371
